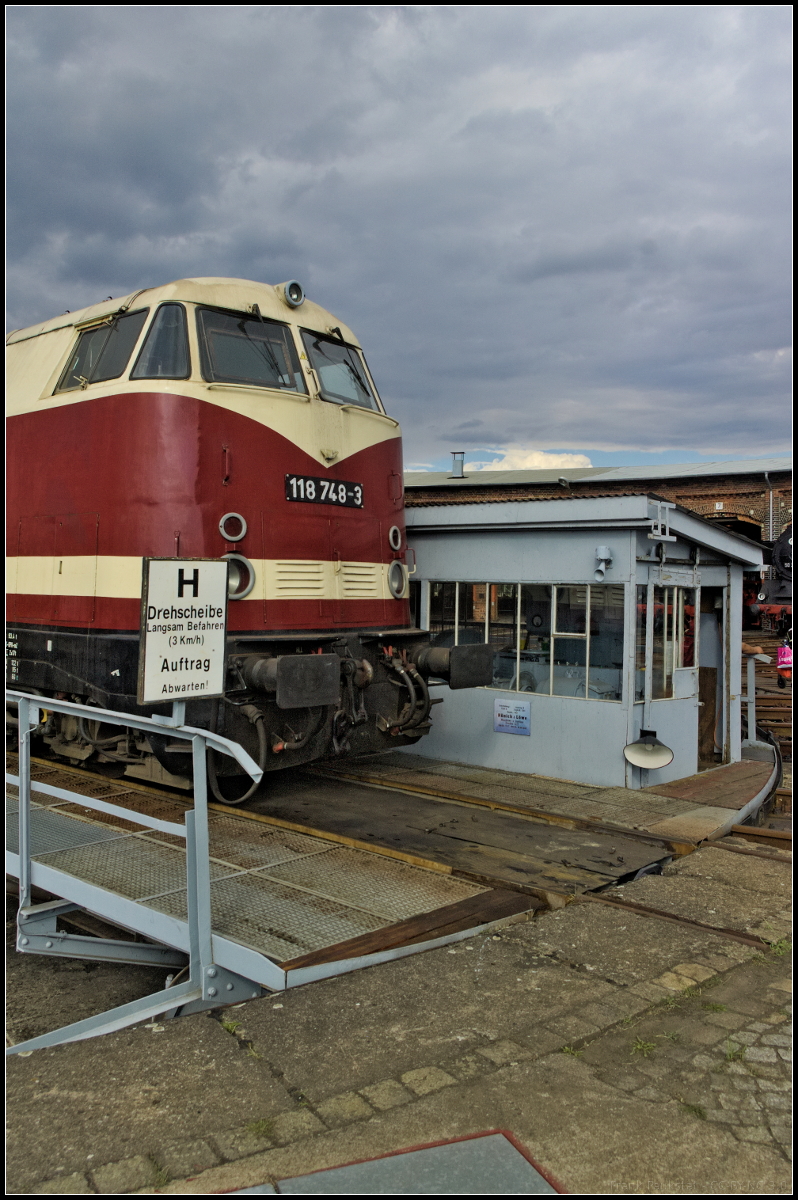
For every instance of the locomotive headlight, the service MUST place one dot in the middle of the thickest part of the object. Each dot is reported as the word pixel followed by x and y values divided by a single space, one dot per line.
pixel 293 293
pixel 397 579
pixel 240 576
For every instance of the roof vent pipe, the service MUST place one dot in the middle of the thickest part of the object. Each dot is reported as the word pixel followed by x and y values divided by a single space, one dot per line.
pixel 457 464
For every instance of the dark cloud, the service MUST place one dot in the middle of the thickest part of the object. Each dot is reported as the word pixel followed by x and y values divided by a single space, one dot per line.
pixel 549 224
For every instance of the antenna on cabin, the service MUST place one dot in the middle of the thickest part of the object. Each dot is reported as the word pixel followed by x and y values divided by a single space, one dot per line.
pixel 457 464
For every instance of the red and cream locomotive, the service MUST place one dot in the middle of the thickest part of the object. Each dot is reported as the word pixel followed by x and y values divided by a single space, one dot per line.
pixel 215 418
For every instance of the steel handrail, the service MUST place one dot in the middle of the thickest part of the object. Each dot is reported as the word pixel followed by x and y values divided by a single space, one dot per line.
pixel 113 810
pixel 205 977
pixel 152 724
pixel 749 698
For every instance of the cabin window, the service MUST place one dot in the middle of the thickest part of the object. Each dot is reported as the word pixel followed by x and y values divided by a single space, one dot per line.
pixel 673 638
pixel 471 613
pixel 415 603
pixel 457 613
pixel 164 354
pixel 248 350
pixel 340 370
pixel 641 607
pixel 606 641
pixel 502 605
pixel 551 639
pixel 103 351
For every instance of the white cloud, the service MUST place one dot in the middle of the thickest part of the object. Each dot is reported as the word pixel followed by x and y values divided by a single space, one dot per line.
pixel 518 457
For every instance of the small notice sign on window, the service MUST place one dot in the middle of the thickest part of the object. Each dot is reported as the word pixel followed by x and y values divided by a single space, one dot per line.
pixel 512 716
pixel 183 629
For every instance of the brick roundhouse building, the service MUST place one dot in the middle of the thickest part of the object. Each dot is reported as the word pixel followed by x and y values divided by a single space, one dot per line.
pixel 752 497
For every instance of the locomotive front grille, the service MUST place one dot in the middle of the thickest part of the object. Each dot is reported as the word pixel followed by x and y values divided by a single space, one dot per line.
pixel 296 580
pixel 360 581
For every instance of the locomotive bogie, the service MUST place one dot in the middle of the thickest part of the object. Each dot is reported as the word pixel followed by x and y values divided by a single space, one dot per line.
pixel 355 705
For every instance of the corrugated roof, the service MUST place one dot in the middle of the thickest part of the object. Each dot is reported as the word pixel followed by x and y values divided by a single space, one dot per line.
pixel 727 467
pixel 751 466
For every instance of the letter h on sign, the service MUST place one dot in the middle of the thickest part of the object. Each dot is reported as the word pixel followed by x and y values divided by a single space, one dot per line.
pixel 193 582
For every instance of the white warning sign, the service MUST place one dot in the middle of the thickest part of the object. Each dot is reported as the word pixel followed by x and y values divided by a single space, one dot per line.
pixel 183 629
pixel 512 716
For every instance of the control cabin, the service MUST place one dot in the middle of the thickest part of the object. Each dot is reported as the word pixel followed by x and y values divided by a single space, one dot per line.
pixel 607 615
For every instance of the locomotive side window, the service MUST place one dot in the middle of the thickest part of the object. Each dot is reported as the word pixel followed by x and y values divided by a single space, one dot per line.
pixel 164 354
pixel 244 349
pixel 340 370
pixel 103 351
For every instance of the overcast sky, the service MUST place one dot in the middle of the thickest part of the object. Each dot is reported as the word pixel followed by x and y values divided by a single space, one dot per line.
pixel 555 228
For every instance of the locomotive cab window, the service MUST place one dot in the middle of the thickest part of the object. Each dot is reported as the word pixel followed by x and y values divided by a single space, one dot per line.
pixel 341 371
pixel 248 350
pixel 164 354
pixel 103 351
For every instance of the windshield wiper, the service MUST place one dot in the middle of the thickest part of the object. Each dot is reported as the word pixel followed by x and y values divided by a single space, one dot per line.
pixel 358 379
pixel 346 362
pixel 263 348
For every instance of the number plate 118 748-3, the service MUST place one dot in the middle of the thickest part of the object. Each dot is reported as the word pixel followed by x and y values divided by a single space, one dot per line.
pixel 313 490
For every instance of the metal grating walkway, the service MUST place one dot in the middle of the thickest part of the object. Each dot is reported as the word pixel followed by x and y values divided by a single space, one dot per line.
pixel 274 891
pixel 249 907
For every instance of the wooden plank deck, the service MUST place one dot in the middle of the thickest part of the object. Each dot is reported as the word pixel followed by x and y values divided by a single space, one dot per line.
pixel 556 801
pixel 502 849
pixel 684 812
pixel 453 918
pixel 729 787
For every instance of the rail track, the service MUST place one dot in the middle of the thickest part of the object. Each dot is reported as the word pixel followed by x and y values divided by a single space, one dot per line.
pixel 441 846
pixel 776 839
pixel 496 846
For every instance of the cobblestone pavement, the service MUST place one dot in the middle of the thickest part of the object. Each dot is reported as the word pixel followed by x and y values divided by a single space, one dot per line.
pixel 721 1051
pixel 629 1054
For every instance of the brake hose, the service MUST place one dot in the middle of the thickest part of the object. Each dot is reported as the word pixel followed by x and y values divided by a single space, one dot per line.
pixel 263 750
pixel 411 691
pixel 96 741
pixel 302 740
pixel 417 710
pixel 423 703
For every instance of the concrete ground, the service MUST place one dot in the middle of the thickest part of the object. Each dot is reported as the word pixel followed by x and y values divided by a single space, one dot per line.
pixel 628 1054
